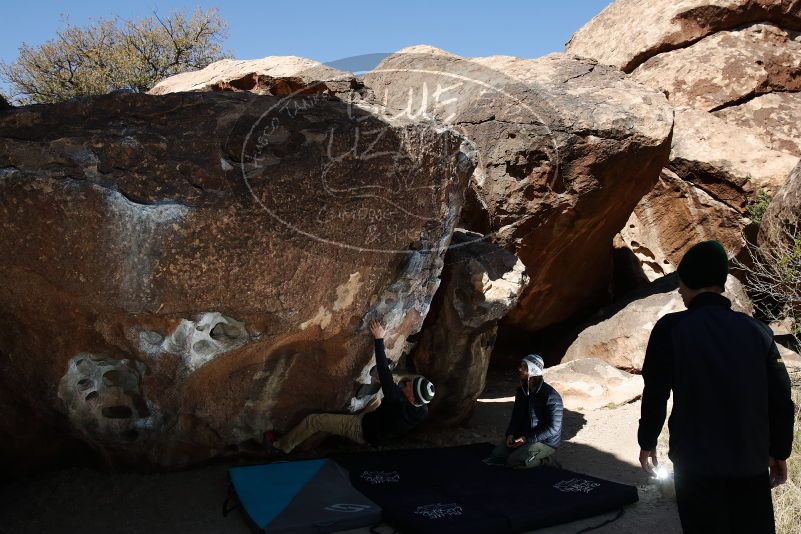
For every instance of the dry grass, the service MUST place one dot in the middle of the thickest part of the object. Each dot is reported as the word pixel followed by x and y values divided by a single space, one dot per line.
pixel 787 497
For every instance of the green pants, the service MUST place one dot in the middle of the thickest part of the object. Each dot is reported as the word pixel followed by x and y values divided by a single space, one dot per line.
pixel 523 457
pixel 345 425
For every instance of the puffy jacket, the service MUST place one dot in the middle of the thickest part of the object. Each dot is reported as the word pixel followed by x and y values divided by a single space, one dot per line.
pixel 537 416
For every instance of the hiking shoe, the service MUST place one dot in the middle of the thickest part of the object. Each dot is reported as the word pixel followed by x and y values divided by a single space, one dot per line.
pixel 493 462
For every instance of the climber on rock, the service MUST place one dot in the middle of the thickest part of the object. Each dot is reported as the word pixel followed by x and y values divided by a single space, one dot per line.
pixel 535 428
pixel 402 408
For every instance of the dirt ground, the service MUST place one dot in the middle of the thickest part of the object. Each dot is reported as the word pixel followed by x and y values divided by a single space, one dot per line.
pixel 80 500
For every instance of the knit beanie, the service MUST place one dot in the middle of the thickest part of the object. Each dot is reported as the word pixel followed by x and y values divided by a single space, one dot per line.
pixel 704 265
pixel 423 390
pixel 535 364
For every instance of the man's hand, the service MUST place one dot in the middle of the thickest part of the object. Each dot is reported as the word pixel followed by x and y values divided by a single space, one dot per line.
pixel 377 329
pixel 646 466
pixel 778 472
pixel 513 442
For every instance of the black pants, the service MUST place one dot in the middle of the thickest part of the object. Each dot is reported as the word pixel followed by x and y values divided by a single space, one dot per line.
pixel 711 505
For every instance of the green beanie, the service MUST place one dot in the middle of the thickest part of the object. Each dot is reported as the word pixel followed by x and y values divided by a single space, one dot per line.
pixel 704 265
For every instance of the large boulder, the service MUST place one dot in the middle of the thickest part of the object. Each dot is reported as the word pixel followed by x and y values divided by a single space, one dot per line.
pixel 182 272
pixel 727 68
pixel 591 383
pixel 629 32
pixel 567 147
pixel 619 334
pixel 783 214
pixel 272 75
pixel 774 117
pixel 715 170
pixel 741 61
pixel 563 164
pixel 481 282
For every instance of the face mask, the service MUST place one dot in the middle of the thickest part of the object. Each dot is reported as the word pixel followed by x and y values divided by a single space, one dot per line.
pixel 532 384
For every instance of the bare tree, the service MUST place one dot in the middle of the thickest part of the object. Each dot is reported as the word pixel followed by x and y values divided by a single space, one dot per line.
pixel 113 54
pixel 773 277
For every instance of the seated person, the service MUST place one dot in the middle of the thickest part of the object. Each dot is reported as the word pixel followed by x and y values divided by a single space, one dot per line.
pixel 535 429
pixel 402 408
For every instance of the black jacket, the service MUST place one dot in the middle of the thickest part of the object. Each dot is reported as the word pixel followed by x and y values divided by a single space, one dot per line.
pixel 396 415
pixel 537 416
pixel 731 392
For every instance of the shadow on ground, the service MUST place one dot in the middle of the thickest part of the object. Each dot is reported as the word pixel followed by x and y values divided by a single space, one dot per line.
pixel 86 501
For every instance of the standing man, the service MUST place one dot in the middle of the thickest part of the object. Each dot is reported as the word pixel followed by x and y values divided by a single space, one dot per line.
pixel 402 408
pixel 535 429
pixel 731 428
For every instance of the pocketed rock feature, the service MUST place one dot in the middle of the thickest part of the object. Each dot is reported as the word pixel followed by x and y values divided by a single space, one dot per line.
pixel 567 147
pixel 234 243
pixel 102 397
pixel 481 282
pixel 673 217
pixel 210 335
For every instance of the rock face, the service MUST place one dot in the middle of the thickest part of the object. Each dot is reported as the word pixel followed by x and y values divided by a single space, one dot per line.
pixel 167 297
pixel 727 67
pixel 739 59
pixel 651 28
pixel 620 333
pixel 728 162
pixel 272 75
pixel 776 272
pixel 783 213
pixel 774 117
pixel 714 169
pixel 673 217
pixel 558 139
pixel 591 383
pixel 481 282
pixel 790 358
pixel 567 148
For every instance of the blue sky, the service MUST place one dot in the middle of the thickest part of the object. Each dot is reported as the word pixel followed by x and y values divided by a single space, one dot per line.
pixel 327 31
